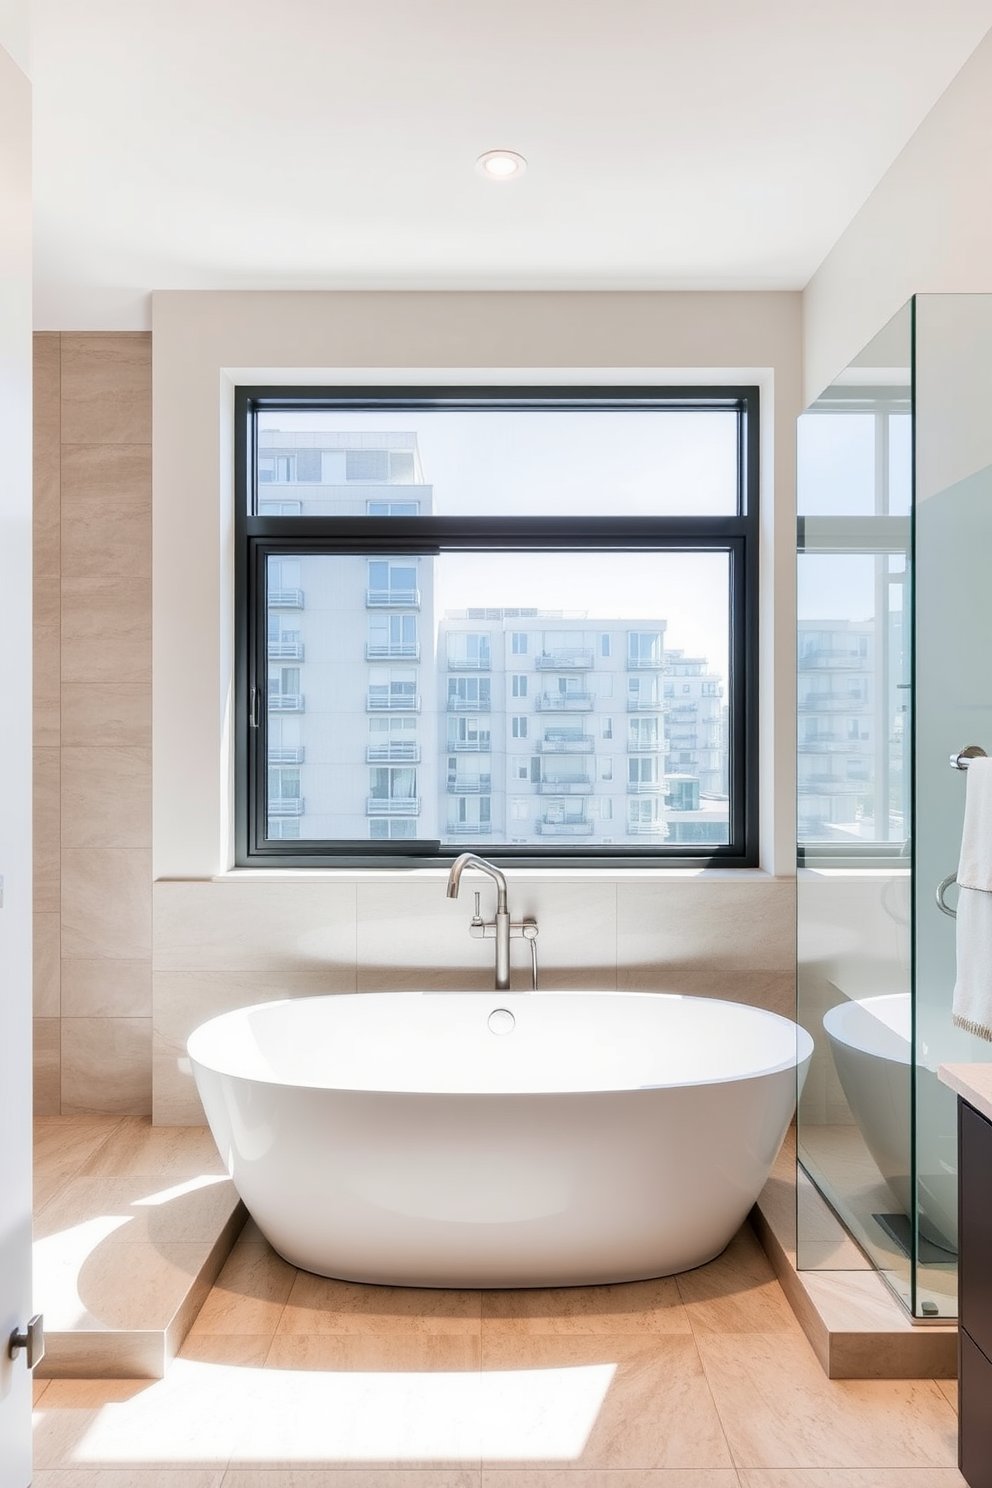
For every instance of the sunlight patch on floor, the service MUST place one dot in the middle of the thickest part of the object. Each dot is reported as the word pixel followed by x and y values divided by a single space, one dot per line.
pixel 209 1413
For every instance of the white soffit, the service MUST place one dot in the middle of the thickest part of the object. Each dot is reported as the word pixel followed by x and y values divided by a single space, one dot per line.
pixel 316 144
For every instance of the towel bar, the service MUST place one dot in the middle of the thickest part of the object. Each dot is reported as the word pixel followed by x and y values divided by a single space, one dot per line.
pixel 961 761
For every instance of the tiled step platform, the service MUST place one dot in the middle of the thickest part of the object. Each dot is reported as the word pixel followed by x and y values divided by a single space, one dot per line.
pixel 856 1327
pixel 132 1225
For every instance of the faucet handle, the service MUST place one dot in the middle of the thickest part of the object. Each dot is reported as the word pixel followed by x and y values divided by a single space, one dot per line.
pixel 477 917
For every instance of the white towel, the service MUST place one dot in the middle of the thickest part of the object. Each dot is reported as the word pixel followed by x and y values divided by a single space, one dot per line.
pixel 972 1009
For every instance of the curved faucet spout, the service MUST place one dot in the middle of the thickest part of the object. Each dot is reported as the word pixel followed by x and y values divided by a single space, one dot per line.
pixel 472 860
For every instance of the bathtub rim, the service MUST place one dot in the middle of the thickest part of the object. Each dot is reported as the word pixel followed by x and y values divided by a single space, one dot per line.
pixel 798 1061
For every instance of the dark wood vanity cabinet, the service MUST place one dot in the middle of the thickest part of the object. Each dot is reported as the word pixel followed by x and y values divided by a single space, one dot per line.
pixel 975 1282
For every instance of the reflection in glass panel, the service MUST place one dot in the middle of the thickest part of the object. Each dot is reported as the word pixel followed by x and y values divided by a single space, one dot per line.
pixel 523 698
pixel 503 462
pixel 854 767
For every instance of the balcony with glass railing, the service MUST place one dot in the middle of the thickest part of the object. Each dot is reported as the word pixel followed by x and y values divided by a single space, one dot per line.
pixel 284 599
pixel 481 745
pixel 565 702
pixel 285 806
pixel 402 751
pixel 655 829
pixel 286 702
pixel 470 663
pixel 393 651
pixel 645 705
pixel 396 702
pixel 408 599
pixel 392 806
pixel 645 663
pixel 285 650
pixel 470 785
pixel 645 787
pixel 286 754
pixel 458 704
pixel 573 744
pixel 469 829
pixel 655 745
pixel 574 660
pixel 826 702
pixel 576 827
pixel 566 785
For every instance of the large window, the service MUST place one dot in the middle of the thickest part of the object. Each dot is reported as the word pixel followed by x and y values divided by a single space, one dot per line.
pixel 446 620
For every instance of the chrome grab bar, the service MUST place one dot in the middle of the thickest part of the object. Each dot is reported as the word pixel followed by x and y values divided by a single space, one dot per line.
pixel 945 883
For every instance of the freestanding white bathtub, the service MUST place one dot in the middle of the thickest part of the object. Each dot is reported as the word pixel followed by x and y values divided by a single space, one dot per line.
pixel 457 1139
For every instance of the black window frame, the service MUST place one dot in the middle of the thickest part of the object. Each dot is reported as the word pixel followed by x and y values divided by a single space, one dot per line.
pixel 257 538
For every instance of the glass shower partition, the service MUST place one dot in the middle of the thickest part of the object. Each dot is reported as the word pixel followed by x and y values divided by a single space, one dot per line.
pixel 894 604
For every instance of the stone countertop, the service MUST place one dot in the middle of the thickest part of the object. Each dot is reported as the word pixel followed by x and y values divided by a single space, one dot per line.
pixel 971 1081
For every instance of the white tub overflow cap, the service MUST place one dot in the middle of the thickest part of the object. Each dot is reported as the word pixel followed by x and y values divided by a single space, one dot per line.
pixel 501 1020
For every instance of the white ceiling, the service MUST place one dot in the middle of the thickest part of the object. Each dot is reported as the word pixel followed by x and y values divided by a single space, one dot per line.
pixel 188 144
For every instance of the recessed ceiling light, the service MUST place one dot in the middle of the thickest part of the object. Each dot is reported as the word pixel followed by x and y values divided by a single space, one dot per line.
pixel 501 165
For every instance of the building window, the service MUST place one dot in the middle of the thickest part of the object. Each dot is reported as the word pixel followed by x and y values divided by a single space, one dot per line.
pixel 387 637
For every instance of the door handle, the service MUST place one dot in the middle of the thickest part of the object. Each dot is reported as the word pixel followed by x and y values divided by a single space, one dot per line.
pixel 32 1340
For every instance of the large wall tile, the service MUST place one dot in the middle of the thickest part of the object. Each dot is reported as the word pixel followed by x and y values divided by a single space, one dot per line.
pixel 46 830
pixel 185 999
pixel 107 988
pixel 106 1065
pixel 107 388
pixel 104 713
pixel 46 412
pixel 734 923
pixel 106 510
pixel 47 677
pixel 47 937
pixel 47 1067
pixel 106 903
pixel 106 797
pixel 256 925
pixel 106 630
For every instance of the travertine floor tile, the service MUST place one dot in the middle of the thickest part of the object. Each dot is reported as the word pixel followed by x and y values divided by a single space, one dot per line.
pixel 82 1280
pixel 737 1293
pixel 949 1388
pixel 191 1419
pixel 319 1305
pixel 376 1353
pixel 138 1148
pixel 129 1477
pixel 598 1402
pixel 361 1417
pixel 567 1477
pixel 633 1307
pixel 249 1294
pixel 350 1477
pixel 857 1477
pixel 154 1207
pixel 62 1144
pixel 247 1351
pixel 779 1409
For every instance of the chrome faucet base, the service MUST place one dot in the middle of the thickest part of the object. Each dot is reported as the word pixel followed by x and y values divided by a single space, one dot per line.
pixel 501 929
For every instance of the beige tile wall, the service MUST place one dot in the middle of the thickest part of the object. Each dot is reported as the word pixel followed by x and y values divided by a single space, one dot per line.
pixel 92 709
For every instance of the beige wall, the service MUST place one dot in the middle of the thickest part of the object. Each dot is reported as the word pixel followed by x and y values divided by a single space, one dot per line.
pixel 92 740
pixel 926 226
